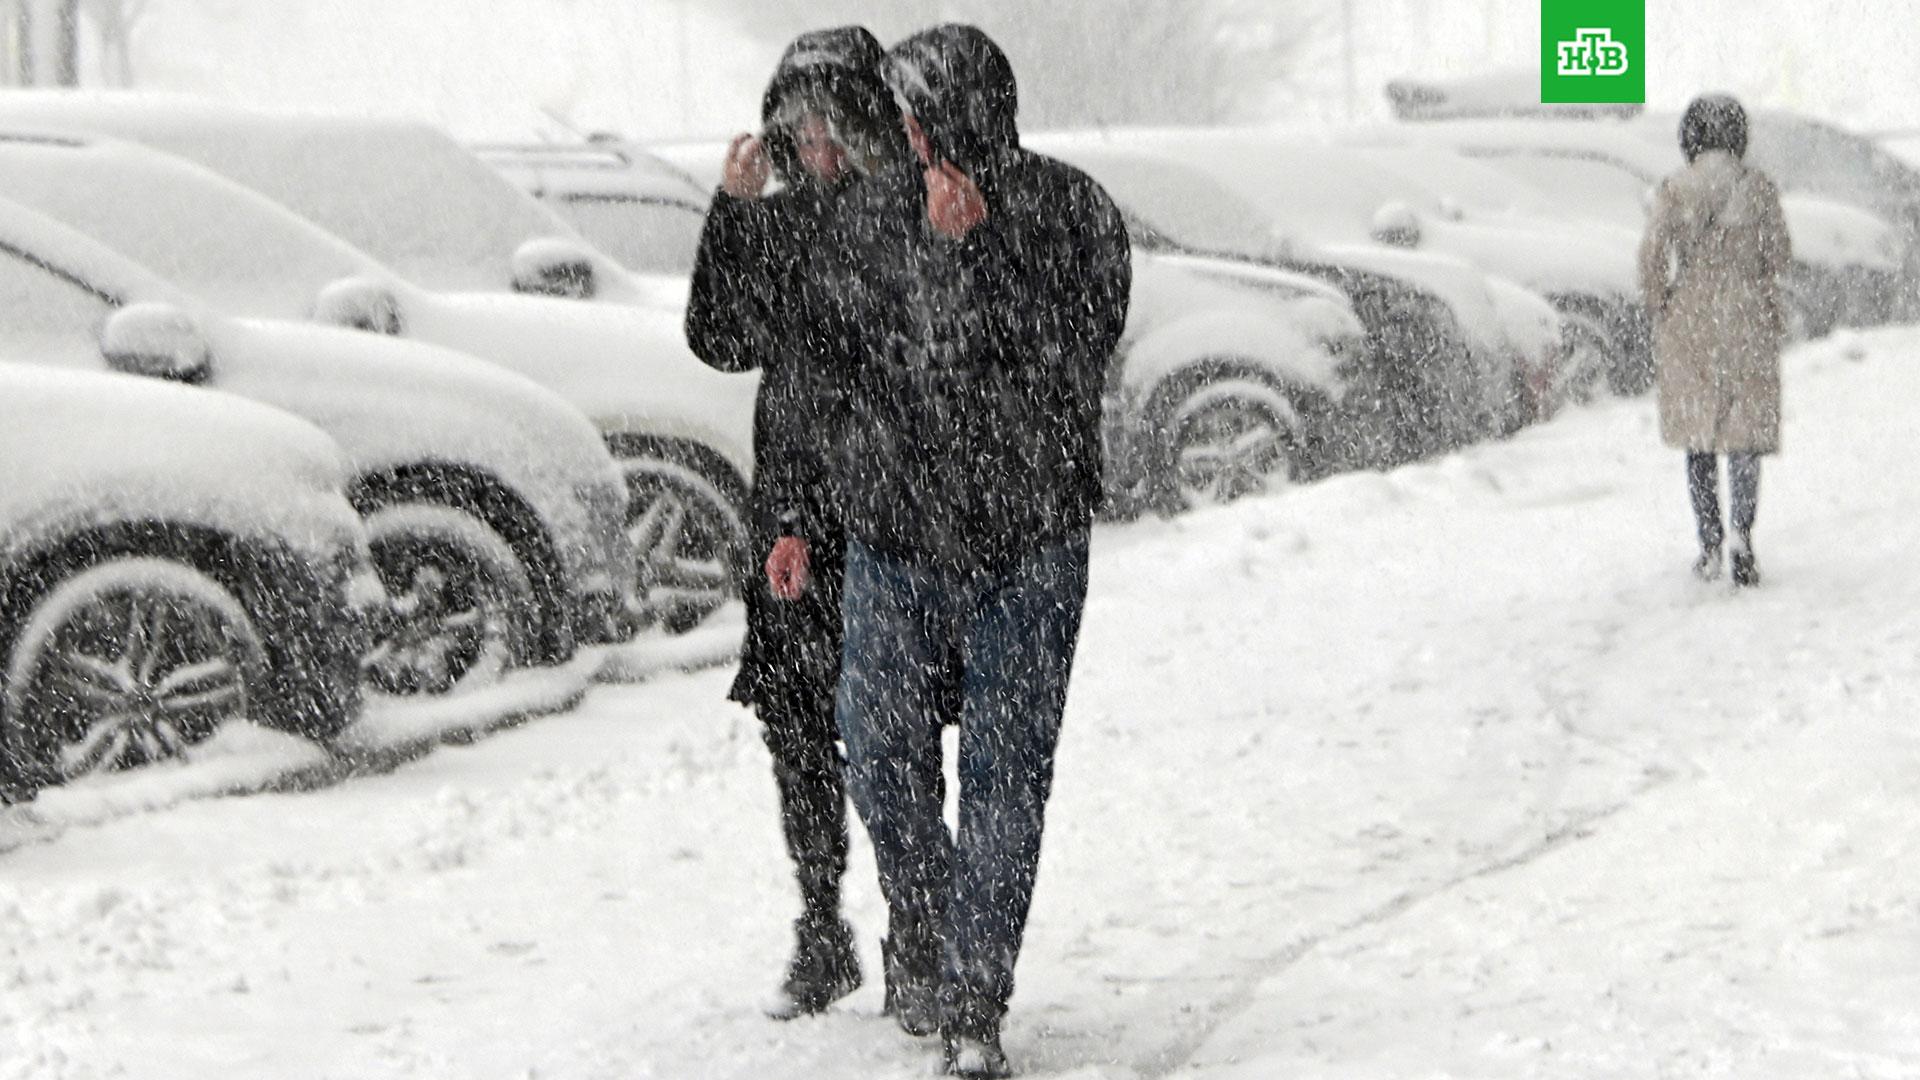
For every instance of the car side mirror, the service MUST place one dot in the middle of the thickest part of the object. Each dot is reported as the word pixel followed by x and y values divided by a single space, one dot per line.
pixel 360 304
pixel 555 266
pixel 1398 225
pixel 159 341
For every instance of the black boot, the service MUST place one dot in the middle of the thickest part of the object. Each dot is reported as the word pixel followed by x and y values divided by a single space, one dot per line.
pixel 913 984
pixel 824 968
pixel 1746 574
pixel 1707 566
pixel 973 1050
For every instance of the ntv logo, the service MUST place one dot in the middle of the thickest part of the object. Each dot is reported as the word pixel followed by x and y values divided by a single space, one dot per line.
pixel 1593 52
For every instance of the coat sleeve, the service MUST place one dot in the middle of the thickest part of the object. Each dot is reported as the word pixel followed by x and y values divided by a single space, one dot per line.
pixel 733 311
pixel 1656 255
pixel 1061 279
pixel 1776 246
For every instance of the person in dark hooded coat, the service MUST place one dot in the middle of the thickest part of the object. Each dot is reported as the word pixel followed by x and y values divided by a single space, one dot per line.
pixel 981 293
pixel 828 123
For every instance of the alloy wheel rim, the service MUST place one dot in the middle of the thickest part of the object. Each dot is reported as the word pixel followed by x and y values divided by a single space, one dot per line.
pixel 1230 453
pixel 140 680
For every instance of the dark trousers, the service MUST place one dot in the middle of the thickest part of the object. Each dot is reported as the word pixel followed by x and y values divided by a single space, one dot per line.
pixel 1009 637
pixel 788 670
pixel 813 808
pixel 1703 487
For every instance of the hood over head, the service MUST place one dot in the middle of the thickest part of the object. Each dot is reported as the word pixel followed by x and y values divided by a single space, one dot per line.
pixel 1714 122
pixel 958 84
pixel 836 73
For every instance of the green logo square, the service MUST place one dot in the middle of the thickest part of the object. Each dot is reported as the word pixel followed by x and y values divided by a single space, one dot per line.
pixel 1593 51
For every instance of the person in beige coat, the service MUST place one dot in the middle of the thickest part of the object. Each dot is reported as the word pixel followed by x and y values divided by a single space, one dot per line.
pixel 1710 268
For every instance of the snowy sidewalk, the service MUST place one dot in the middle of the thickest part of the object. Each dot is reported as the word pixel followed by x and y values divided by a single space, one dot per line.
pixel 1447 773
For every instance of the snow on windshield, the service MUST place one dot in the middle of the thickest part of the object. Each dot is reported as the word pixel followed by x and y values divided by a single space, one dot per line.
pixel 1187 206
pixel 235 249
pixel 405 193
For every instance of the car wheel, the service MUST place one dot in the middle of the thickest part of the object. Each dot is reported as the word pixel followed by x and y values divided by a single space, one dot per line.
pixel 1229 440
pixel 1588 358
pixel 128 662
pixel 688 536
pixel 462 607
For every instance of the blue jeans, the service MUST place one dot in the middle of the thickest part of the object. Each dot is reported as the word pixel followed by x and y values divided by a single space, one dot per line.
pixel 928 645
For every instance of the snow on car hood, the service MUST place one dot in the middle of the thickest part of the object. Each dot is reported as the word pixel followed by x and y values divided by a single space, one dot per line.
pixel 388 401
pixel 1533 326
pixel 83 448
pixel 1188 308
pixel 626 368
pixel 1550 257
pixel 1459 284
pixel 1830 233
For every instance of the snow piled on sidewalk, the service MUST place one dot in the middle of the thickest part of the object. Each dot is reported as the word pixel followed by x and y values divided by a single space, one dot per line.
pixel 1450 772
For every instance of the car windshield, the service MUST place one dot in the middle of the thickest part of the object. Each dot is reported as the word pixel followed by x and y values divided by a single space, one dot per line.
pixel 1807 156
pixel 1600 188
pixel 1181 205
pixel 238 251
pixel 406 194
pixel 1320 193
pixel 646 235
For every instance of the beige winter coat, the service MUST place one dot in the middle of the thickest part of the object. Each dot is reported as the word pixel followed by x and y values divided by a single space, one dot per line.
pixel 1710 269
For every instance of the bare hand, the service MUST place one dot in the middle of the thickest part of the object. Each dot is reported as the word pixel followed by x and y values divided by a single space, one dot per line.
pixel 748 168
pixel 954 203
pixel 787 570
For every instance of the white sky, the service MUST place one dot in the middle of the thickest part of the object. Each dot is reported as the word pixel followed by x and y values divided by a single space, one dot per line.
pixel 661 68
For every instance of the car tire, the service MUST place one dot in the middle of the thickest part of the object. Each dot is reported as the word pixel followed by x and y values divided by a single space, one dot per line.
pixel 462 611
pixel 689 537
pixel 126 662
pixel 1227 439
pixel 1590 356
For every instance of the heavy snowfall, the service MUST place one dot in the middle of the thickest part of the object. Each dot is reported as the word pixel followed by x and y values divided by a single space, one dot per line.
pixel 1448 771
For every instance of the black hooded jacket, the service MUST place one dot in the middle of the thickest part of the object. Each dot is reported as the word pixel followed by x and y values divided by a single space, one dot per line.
pixel 970 424
pixel 748 309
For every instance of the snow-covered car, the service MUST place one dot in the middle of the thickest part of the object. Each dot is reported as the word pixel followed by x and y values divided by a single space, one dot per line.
pixel 1445 364
pixel 496 515
pixel 1438 200
pixel 405 192
pixel 680 431
pixel 1851 266
pixel 171 560
pixel 1230 379
pixel 628 202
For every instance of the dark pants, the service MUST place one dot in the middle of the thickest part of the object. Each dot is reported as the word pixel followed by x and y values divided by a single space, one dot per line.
pixel 1009 637
pixel 813 809
pixel 1703 486
pixel 788 670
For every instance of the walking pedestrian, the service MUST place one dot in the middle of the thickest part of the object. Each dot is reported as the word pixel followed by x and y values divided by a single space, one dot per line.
pixel 829 122
pixel 1710 268
pixel 984 289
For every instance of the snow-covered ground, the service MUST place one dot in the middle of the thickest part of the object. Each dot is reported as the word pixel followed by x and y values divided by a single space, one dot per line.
pixel 1453 772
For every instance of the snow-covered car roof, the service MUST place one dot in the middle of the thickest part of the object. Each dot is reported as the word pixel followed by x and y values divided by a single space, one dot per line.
pixel 595 167
pixel 1255 211
pixel 83 449
pixel 1608 169
pixel 238 249
pixel 405 192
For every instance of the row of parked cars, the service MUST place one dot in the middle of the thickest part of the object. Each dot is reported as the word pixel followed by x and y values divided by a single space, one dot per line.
pixel 301 409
